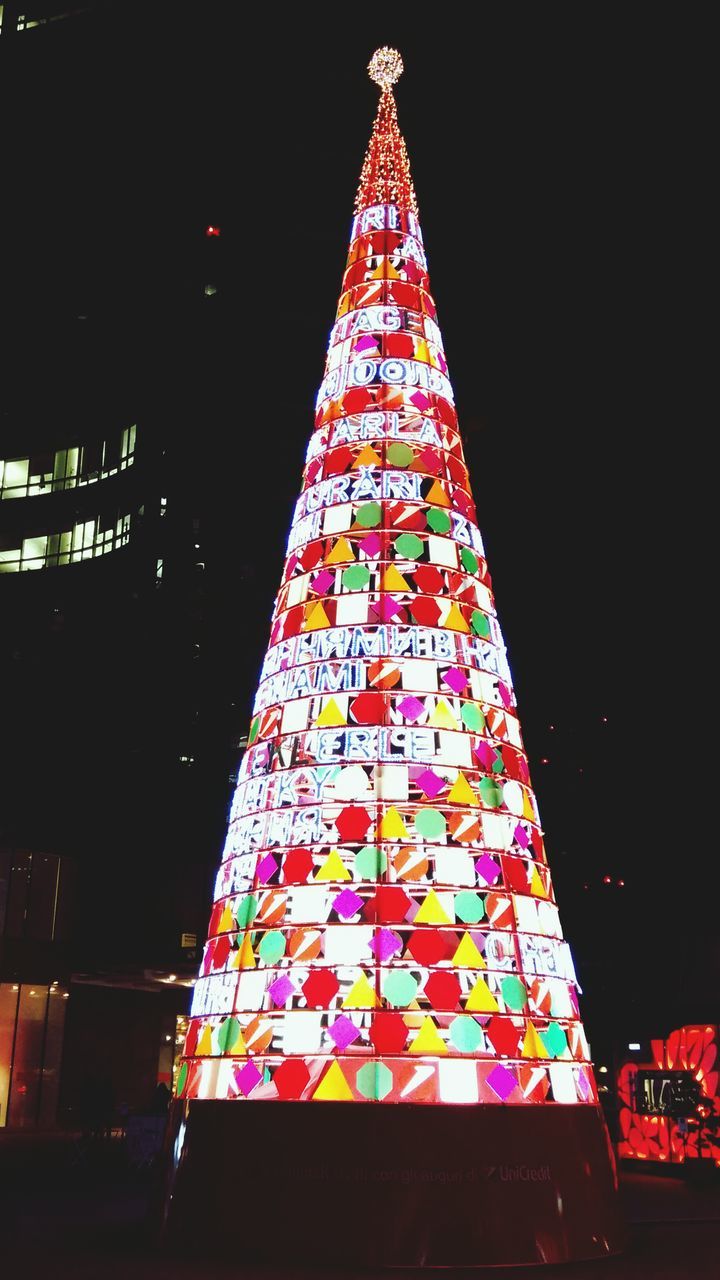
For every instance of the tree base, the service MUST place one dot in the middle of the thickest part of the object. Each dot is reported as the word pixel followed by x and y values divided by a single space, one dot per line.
pixel 396 1185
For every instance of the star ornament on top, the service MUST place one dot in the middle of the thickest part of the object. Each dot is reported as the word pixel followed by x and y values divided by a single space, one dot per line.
pixel 385 67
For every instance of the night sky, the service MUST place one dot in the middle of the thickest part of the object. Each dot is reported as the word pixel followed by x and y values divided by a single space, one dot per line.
pixel 559 158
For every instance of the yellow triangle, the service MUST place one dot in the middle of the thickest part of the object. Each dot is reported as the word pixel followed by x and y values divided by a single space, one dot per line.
pixel 332 868
pixel 536 884
pixel 468 955
pixel 361 995
pixel 422 352
pixel 234 961
pixel 226 921
pixel 432 911
pixel 392 580
pixel 533 1046
pixel 239 1049
pixel 437 495
pixel 427 1039
pixel 204 1044
pixel 367 457
pixel 455 620
pixel 316 617
pixel 442 717
pixel 341 552
pixel 481 999
pixel 330 717
pixel 333 1087
pixel 392 826
pixel 461 792
pixel 247 956
pixel 528 811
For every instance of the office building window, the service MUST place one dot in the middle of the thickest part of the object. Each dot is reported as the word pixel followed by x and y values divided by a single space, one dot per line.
pixel 84 541
pixel 70 468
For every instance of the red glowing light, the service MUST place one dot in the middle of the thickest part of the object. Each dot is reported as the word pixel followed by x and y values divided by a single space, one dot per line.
pixel 212 231
pixel 544 760
pixel 621 884
pixel 607 879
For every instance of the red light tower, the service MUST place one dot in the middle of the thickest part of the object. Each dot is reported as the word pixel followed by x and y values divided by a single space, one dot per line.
pixel 384 941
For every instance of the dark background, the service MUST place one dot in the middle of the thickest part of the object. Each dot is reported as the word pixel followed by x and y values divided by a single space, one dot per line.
pixel 561 161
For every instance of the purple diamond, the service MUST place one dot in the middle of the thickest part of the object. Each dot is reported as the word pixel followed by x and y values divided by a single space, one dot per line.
pixel 347 903
pixel 266 868
pixel 583 1084
pixel 456 679
pixel 386 607
pixel 365 343
pixel 430 783
pixel 385 944
pixel 485 754
pixel 501 1081
pixel 323 582
pixel 343 1032
pixel 411 708
pixel 522 837
pixel 281 989
pixel 371 545
pixel 248 1078
pixel 505 693
pixel 488 868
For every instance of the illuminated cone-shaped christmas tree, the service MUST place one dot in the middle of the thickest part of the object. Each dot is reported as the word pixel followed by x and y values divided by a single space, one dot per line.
pixel 384 928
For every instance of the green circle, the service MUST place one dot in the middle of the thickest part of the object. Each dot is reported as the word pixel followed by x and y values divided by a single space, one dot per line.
pixel 356 577
pixel 513 993
pixel 469 907
pixel 368 515
pixel 430 824
pixel 480 623
pixel 370 863
pixel 465 1034
pixel 181 1080
pixel 374 1081
pixel 228 1034
pixel 400 988
pixel 400 454
pixel 246 912
pixel 439 521
pixel 272 947
pixel 472 717
pixel 469 560
pixel 409 546
pixel 490 793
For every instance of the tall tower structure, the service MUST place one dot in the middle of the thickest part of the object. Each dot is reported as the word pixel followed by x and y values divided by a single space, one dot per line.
pixel 385 941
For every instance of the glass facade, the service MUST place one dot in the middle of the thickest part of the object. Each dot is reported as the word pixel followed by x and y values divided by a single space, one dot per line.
pixel 32 1019
pixel 32 1014
pixel 69 468
pixel 83 541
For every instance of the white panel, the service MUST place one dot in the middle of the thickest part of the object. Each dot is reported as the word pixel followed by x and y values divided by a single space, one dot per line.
pixel 250 990
pixel 391 782
pixel 454 866
pixel 563 1082
pixel 442 551
pixel 457 1081
pixel 338 519
pixel 419 676
pixel 302 1031
pixel 295 715
pixel 351 609
pixel 308 903
pixel 348 944
pixel 454 749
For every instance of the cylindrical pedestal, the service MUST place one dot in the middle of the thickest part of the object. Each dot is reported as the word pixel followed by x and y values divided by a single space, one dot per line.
pixel 349 1185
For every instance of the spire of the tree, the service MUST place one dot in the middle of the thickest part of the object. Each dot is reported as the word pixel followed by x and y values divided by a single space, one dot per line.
pixel 385 177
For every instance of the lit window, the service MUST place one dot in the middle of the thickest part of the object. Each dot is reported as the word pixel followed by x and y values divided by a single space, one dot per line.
pixel 87 539
pixel 70 468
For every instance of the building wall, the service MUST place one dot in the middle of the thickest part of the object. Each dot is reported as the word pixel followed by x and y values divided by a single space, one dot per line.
pixel 114 1043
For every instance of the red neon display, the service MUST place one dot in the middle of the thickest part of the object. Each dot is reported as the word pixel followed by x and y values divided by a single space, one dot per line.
pixel 670 1107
